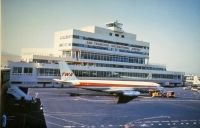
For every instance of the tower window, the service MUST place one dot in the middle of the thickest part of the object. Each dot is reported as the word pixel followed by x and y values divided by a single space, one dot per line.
pixel 117 35
pixel 122 36
pixel 110 34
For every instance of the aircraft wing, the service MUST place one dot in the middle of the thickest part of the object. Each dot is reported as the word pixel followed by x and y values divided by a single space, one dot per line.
pixel 62 81
pixel 68 83
pixel 58 80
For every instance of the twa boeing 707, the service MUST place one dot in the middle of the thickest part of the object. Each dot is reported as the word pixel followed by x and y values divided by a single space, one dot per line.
pixel 124 90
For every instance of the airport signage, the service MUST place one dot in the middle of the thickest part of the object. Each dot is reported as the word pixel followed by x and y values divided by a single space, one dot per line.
pixel 96 43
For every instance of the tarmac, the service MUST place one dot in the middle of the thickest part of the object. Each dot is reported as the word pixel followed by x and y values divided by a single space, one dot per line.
pixel 99 111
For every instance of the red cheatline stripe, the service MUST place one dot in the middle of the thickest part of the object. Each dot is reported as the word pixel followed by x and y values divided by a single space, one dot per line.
pixel 85 84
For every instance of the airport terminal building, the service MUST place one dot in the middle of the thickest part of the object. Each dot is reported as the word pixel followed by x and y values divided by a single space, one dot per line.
pixel 92 53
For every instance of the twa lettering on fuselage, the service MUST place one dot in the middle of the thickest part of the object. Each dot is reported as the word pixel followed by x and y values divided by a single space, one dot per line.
pixel 67 74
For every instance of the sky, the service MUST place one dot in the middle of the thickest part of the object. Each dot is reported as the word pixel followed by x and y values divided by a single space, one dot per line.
pixel 172 27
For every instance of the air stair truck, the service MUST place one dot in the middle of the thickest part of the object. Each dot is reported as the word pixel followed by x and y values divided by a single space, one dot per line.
pixel 16 92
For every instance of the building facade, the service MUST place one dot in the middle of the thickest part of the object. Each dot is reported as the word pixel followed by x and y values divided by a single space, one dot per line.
pixel 192 80
pixel 93 53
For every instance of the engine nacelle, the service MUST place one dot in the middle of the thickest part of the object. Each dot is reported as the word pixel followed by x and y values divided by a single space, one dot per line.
pixel 131 93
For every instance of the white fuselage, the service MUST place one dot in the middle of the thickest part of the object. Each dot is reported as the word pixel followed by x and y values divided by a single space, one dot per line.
pixel 116 85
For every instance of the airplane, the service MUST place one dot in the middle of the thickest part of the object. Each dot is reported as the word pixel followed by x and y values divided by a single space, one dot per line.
pixel 124 90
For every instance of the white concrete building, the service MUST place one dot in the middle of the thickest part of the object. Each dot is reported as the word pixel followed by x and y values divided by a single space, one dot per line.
pixel 192 80
pixel 93 53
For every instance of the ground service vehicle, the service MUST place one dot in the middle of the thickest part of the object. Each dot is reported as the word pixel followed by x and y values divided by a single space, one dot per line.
pixel 168 94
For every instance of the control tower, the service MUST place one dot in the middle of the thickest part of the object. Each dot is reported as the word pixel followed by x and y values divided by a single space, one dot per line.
pixel 115 26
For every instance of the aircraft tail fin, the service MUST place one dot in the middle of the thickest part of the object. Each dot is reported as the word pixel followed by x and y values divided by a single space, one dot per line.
pixel 66 73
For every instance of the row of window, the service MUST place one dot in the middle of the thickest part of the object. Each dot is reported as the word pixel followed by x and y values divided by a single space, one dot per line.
pixel 66 37
pixel 67 53
pixel 20 70
pixel 107 48
pixel 129 67
pixel 40 71
pixel 48 72
pixel 44 61
pixel 101 40
pixel 105 57
pixel 117 35
pixel 191 77
pixel 166 76
pixel 64 44
pixel 80 73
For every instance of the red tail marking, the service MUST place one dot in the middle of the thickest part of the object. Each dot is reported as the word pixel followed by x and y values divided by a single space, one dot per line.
pixel 67 74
